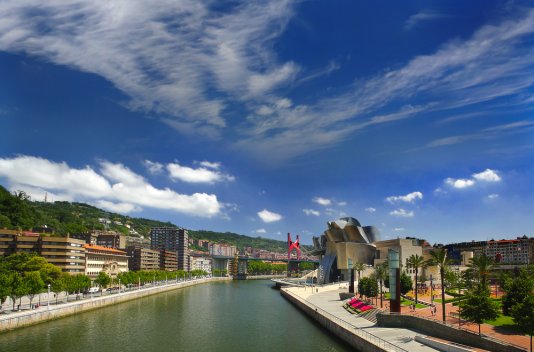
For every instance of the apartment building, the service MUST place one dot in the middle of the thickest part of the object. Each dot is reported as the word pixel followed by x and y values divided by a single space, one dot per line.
pixel 174 239
pixel 168 260
pixel 140 258
pixel 103 259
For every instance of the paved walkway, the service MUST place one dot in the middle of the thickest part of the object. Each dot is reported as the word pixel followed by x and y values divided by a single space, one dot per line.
pixel 486 329
pixel 328 300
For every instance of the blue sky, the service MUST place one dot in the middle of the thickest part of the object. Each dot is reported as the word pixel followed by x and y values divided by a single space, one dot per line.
pixel 270 117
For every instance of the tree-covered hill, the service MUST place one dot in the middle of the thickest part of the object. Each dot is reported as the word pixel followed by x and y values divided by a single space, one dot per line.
pixel 17 211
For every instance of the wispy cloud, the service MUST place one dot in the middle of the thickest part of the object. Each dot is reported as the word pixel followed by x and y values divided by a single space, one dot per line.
pixel 402 213
pixel 408 198
pixel 113 186
pixel 311 212
pixel 370 210
pixel 422 16
pixel 322 201
pixel 489 65
pixel 205 174
pixel 182 59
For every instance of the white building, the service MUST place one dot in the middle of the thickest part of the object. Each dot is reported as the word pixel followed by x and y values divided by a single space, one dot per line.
pixel 201 263
pixel 109 260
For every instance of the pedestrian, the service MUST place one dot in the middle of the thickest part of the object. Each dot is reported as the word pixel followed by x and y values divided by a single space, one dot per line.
pixel 435 310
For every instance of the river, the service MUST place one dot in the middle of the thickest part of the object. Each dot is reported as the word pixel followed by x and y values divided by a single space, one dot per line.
pixel 220 316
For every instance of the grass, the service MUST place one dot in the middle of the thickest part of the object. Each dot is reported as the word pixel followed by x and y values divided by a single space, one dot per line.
pixel 501 320
pixel 406 302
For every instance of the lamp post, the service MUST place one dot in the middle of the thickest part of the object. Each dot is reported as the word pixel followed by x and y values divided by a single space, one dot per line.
pixel 154 280
pixel 431 293
pixel 48 297
pixel 119 285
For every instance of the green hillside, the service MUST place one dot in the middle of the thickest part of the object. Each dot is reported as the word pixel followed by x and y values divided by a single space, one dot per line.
pixel 17 211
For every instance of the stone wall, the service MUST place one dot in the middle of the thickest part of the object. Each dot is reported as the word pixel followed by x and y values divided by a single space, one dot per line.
pixel 444 331
pixel 18 320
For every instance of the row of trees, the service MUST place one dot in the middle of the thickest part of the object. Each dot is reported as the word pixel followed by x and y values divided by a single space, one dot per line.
pixel 23 274
pixel 260 267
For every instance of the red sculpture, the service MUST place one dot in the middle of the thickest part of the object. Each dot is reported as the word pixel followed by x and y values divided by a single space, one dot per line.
pixel 292 245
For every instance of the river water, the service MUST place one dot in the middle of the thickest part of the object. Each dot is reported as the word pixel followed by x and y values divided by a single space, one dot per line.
pixel 220 316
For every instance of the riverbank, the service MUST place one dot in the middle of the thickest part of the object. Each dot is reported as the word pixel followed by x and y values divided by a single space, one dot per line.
pixel 25 318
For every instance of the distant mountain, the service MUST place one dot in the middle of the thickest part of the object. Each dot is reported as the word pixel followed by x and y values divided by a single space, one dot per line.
pixel 17 211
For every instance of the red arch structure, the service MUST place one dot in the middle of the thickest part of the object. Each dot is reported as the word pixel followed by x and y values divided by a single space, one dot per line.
pixel 292 245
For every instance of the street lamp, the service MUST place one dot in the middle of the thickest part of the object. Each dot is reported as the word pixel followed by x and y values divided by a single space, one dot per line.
pixel 431 293
pixel 119 285
pixel 48 305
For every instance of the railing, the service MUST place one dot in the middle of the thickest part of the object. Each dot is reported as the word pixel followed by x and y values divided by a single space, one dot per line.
pixel 455 326
pixel 387 346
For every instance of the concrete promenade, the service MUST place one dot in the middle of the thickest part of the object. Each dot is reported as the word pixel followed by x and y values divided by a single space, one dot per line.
pixel 327 300
pixel 23 318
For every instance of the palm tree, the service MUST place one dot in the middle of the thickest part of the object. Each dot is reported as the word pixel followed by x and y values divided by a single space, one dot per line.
pixel 481 266
pixel 439 258
pixel 359 267
pixel 380 275
pixel 417 262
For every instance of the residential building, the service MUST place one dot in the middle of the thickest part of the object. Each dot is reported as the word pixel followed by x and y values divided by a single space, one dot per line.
pixel 168 260
pixel 172 239
pixel 64 252
pixel 222 250
pixel 142 258
pixel 103 259
pixel 109 239
pixel 201 263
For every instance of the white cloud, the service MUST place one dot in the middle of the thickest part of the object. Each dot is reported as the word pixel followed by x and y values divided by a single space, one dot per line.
pixel 398 229
pixel 370 210
pixel 322 201
pixel 342 204
pixel 459 183
pixel 117 185
pixel 200 175
pixel 210 165
pixel 311 212
pixel 261 231
pixel 121 208
pixel 487 175
pixel 493 196
pixel 402 213
pixel 154 168
pixel 269 216
pixel 409 198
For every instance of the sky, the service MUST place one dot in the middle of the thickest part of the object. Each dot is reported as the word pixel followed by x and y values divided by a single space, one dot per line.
pixel 269 117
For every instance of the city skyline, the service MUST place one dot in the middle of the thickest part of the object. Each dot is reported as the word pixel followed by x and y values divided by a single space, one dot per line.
pixel 264 118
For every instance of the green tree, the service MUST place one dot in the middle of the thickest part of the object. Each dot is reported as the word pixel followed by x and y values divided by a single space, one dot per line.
pixel 523 314
pixel 477 306
pixel 481 266
pixel 516 290
pixel 34 284
pixel 6 285
pixel 440 259
pixel 368 287
pixel 359 267
pixel 19 288
pixel 380 274
pixel 103 280
pixel 416 262
pixel 406 283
